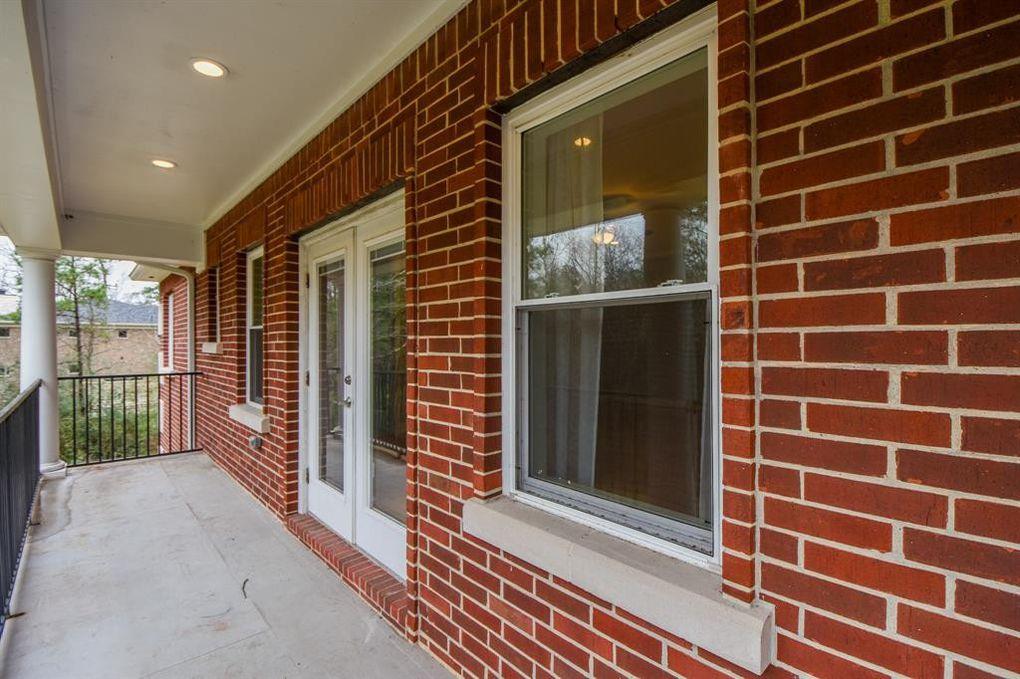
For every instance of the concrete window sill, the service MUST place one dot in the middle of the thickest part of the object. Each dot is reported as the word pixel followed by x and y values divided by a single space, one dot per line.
pixel 249 416
pixel 682 599
pixel 210 347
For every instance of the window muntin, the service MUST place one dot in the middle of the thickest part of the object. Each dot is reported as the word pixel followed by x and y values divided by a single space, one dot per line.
pixel 615 191
pixel 255 320
pixel 614 262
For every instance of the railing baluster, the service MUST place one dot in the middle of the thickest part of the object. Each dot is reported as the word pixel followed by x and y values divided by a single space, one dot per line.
pixel 136 414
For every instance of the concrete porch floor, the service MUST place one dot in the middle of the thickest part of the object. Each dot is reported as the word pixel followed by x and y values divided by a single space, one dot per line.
pixel 137 570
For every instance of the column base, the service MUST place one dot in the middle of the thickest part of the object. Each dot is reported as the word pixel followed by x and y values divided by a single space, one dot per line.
pixel 58 468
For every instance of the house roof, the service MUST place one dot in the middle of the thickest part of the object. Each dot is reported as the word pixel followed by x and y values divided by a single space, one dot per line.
pixel 119 313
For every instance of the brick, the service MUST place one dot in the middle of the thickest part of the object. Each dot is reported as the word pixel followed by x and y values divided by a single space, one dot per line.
pixel 982 392
pixel 627 635
pixel 779 545
pixel 969 640
pixel 816 101
pixel 818 663
pixel 846 22
pixel 856 569
pixel 853 385
pixel 829 596
pixel 982 262
pixel 893 347
pixel 840 456
pixel 901 268
pixel 896 38
pixel 835 526
pixel 969 15
pixel 779 81
pixel 970 306
pixel 987 90
pixel 989 175
pixel 962 220
pixel 779 481
pixel 983 560
pixel 993 436
pixel 777 146
pixel 780 278
pixel 778 212
pixel 988 519
pixel 902 504
pixel 999 128
pixel 855 161
pixel 925 186
pixel 961 671
pixel 775 17
pixel 880 649
pixel 781 414
pixel 864 309
pixel 904 426
pixel 887 116
pixel 861 234
pixel 958 56
pixel 899 8
pixel 989 348
pixel 955 472
pixel 778 346
pixel 991 605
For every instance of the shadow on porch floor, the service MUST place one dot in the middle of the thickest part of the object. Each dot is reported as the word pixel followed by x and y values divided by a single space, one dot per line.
pixel 166 568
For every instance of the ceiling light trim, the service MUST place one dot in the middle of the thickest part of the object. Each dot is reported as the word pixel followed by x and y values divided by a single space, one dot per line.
pixel 410 42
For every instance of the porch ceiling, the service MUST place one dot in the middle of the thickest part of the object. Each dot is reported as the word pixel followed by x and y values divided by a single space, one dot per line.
pixel 120 91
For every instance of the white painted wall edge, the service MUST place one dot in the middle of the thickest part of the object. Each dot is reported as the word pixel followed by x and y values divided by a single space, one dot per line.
pixel 678 597
pixel 112 236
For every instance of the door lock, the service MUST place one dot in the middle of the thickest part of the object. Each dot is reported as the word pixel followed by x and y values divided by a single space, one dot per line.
pixel 347 379
pixel 347 401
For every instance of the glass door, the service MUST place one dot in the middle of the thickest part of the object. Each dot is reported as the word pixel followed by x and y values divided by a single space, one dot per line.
pixel 381 513
pixel 330 383
pixel 356 392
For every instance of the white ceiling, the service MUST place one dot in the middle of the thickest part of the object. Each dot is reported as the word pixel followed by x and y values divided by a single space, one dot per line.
pixel 123 91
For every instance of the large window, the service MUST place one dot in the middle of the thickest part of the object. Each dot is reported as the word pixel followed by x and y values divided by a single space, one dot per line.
pixel 255 316
pixel 613 294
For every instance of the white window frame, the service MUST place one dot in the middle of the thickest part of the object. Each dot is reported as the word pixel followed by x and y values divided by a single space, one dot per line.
pixel 693 34
pixel 249 289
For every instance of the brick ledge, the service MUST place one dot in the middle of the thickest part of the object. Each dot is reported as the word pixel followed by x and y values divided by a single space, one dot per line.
pixel 377 586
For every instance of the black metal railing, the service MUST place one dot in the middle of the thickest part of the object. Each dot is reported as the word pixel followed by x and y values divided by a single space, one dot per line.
pixel 19 480
pixel 108 418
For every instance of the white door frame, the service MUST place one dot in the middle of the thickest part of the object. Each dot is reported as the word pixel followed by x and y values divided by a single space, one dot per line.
pixel 375 224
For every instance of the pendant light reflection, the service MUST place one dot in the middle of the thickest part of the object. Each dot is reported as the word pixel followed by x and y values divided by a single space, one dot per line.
pixel 582 142
pixel 605 235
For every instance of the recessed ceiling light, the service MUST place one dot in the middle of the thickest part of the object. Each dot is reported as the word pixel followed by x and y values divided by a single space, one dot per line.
pixel 164 164
pixel 208 67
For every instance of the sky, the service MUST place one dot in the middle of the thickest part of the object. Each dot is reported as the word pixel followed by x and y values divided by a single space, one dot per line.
pixel 123 288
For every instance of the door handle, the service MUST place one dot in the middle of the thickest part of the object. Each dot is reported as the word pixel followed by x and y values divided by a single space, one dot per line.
pixel 347 379
pixel 347 401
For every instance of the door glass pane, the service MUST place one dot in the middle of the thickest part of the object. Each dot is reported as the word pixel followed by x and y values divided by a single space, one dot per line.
pixel 388 347
pixel 331 373
pixel 615 191
pixel 618 410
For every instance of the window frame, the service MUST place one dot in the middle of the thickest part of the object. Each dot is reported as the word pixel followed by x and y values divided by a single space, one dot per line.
pixel 250 257
pixel 690 35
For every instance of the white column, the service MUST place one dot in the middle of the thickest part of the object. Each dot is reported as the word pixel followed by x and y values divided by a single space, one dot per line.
pixel 39 350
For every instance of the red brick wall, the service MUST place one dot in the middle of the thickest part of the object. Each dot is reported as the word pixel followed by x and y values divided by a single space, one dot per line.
pixel 174 394
pixel 871 311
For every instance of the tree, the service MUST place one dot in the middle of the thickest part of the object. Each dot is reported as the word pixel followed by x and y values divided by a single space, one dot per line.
pixel 83 298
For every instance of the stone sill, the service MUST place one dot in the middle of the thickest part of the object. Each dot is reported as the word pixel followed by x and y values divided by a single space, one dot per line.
pixel 210 347
pixel 681 598
pixel 249 416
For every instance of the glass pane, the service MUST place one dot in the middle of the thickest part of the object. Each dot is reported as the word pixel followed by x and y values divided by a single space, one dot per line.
pixel 255 365
pixel 388 345
pixel 331 373
pixel 615 192
pixel 256 291
pixel 618 408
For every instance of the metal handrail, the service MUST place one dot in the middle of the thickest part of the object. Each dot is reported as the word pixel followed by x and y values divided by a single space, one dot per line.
pixel 18 400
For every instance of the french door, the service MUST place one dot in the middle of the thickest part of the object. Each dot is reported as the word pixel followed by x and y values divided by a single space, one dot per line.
pixel 355 406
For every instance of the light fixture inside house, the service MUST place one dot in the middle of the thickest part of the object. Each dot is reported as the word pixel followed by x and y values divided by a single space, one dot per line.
pixel 582 142
pixel 208 67
pixel 164 164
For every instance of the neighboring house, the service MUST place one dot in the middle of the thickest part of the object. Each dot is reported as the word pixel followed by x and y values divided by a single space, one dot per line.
pixel 124 340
